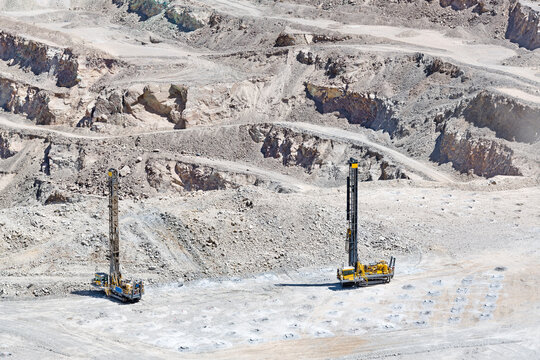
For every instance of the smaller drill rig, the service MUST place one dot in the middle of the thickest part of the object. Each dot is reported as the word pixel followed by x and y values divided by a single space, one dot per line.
pixel 112 283
pixel 357 274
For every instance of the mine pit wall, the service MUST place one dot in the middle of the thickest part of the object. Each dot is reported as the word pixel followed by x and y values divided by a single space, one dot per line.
pixel 40 58
pixel 323 157
pixel 481 156
pixel 523 27
pixel 28 100
pixel 509 118
pixel 362 109
pixel 168 101
pixel 8 147
pixel 144 8
pixel 166 175
pixel 186 17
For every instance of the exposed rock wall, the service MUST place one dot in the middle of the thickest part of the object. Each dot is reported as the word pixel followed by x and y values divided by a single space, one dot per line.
pixel 295 149
pixel 483 157
pixel 317 154
pixel 168 101
pixel 291 39
pixel 510 119
pixel 40 58
pixel 165 175
pixel 63 158
pixel 144 8
pixel 6 145
pixel 459 4
pixel 523 27
pixel 188 18
pixel 362 109
pixel 33 102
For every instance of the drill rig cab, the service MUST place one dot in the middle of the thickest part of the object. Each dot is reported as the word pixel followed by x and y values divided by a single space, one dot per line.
pixel 113 284
pixel 358 274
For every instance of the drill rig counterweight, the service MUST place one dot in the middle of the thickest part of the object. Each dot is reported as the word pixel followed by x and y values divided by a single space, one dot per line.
pixel 357 274
pixel 112 283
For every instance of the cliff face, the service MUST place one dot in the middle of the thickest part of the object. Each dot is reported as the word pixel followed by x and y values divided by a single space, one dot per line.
pixel 510 119
pixel 481 156
pixel 523 27
pixel 167 101
pixel 28 100
pixel 40 58
pixel 363 109
pixel 144 8
pixel 188 18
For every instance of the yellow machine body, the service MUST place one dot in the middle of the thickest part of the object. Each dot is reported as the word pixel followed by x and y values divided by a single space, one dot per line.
pixel 362 275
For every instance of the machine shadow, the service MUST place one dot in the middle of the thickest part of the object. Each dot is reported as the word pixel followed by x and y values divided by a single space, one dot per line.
pixel 97 294
pixel 331 286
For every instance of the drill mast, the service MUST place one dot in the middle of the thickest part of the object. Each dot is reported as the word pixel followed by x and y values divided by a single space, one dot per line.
pixel 352 212
pixel 114 238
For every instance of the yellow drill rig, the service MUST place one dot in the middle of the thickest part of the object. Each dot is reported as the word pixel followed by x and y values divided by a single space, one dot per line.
pixel 113 284
pixel 358 274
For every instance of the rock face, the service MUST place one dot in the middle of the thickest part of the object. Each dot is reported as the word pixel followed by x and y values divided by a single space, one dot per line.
pixel 438 66
pixel 523 27
pixel 144 8
pixel 291 39
pixel 188 18
pixel 484 157
pixel 164 175
pixel 63 159
pixel 168 101
pixel 40 58
pixel 33 102
pixel 313 153
pixel 295 149
pixel 7 148
pixel 509 118
pixel 362 109
pixel 459 4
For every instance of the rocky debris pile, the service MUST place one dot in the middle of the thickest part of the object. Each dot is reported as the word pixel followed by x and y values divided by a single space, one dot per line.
pixel 40 58
pixel 523 26
pixel 333 64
